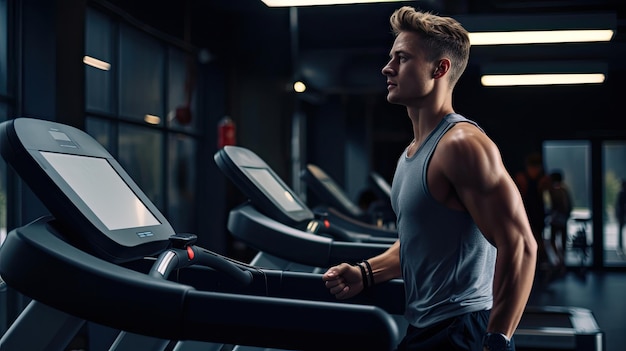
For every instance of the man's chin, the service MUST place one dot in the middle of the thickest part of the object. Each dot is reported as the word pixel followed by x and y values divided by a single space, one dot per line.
pixel 392 99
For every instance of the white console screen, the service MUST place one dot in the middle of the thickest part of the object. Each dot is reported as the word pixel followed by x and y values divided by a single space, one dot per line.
pixel 274 189
pixel 102 189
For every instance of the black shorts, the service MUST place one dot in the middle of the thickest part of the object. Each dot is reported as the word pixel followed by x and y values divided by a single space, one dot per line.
pixel 464 332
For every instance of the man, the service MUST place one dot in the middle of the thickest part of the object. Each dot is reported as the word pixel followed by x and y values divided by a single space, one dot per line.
pixel 560 209
pixel 465 250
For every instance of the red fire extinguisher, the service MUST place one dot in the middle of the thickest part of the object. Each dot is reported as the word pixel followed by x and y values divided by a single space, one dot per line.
pixel 226 132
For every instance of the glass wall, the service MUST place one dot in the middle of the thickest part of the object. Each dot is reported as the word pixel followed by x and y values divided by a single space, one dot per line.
pixel 99 45
pixel 141 107
pixel 102 131
pixel 141 67
pixel 182 172
pixel 572 158
pixel 181 107
pixel 140 154
pixel 614 178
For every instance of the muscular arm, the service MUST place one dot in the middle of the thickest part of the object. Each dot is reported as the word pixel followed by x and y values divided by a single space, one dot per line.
pixel 345 281
pixel 473 165
pixel 386 266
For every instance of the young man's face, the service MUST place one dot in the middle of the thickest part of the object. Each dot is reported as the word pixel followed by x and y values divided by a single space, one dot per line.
pixel 409 74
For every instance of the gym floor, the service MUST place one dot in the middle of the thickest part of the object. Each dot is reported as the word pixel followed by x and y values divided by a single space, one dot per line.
pixel 604 293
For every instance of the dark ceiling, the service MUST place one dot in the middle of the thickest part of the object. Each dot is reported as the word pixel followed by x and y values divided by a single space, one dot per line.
pixel 342 48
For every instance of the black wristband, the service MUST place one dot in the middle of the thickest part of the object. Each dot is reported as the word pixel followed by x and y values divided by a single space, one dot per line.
pixel 370 272
pixel 363 276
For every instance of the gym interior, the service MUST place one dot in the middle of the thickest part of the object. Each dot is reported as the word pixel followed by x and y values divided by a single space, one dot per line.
pixel 185 97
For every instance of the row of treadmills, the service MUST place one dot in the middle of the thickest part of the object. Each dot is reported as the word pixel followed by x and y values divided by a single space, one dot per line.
pixel 107 257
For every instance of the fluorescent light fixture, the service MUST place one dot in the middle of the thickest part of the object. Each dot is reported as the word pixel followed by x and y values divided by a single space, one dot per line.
pixel 540 37
pixel 498 80
pixel 297 3
pixel 505 29
pixel 94 62
pixel 543 73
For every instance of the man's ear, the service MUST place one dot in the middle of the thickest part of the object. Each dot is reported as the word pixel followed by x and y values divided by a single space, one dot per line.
pixel 442 68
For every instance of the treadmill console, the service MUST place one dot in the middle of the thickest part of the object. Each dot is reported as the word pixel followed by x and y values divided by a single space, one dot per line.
pixel 329 191
pixel 85 189
pixel 262 186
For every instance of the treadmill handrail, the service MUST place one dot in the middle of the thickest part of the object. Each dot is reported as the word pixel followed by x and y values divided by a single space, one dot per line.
pixel 100 291
pixel 265 234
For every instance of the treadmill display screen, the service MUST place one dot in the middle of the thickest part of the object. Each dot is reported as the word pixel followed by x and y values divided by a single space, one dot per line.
pixel 105 193
pixel 274 189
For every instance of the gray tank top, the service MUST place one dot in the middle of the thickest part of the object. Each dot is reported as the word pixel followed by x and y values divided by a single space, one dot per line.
pixel 447 264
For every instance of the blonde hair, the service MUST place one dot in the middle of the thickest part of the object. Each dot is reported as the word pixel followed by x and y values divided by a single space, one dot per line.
pixel 442 37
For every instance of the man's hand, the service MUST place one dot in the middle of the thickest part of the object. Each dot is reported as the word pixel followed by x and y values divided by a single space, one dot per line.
pixel 343 281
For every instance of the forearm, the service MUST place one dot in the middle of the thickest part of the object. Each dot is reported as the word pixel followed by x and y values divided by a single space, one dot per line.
pixel 514 274
pixel 386 266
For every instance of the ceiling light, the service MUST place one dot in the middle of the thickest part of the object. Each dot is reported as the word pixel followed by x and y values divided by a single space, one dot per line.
pixel 297 3
pixel 540 36
pixel 504 29
pixel 94 62
pixel 543 73
pixel 541 79
pixel 299 87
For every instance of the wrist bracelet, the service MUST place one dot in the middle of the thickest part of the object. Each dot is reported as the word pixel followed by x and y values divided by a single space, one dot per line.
pixel 370 273
pixel 363 276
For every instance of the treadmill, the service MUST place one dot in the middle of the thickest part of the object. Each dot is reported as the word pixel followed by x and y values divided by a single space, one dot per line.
pixel 331 193
pixel 268 194
pixel 290 236
pixel 343 210
pixel 106 255
pixel 263 222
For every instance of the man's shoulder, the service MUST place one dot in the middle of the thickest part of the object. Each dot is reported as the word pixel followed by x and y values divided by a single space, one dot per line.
pixel 467 135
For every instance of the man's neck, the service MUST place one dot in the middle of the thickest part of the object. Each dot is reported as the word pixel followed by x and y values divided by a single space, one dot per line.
pixel 424 121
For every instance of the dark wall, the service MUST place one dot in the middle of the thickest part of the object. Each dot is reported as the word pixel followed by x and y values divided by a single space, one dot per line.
pixel 520 118
pixel 255 52
pixel 253 45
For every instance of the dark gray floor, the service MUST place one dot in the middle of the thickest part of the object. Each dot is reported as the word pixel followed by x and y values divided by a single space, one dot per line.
pixel 604 293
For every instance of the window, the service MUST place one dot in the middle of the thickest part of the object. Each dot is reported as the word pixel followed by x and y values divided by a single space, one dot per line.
pixel 181 179
pixel 132 110
pixel 573 159
pixel 141 67
pixel 99 45
pixel 140 153
pixel 181 74
pixel 614 174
